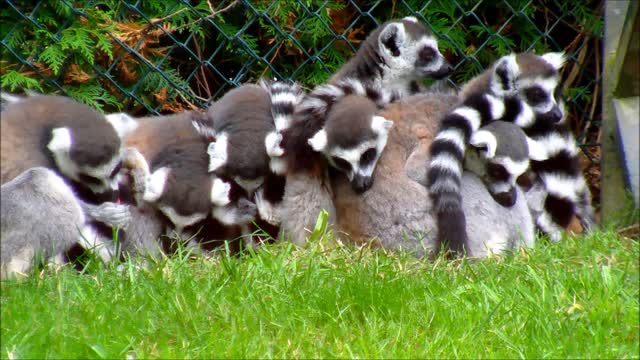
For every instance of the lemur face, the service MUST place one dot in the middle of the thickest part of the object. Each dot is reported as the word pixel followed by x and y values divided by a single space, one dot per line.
pixel 499 155
pixel 356 159
pixel 97 173
pixel 411 51
pixel 535 79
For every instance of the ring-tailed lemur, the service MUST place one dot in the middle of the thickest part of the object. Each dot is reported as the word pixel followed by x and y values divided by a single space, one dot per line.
pixel 392 213
pixel 42 219
pixel 518 88
pixel 59 133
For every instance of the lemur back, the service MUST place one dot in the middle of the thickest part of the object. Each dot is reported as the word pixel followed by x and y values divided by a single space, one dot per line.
pixel 59 133
pixel 392 212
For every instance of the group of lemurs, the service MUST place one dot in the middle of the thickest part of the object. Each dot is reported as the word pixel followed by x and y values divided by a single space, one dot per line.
pixel 392 162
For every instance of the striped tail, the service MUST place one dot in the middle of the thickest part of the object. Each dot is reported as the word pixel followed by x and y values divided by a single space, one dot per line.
pixel 446 161
pixel 323 97
pixel 285 97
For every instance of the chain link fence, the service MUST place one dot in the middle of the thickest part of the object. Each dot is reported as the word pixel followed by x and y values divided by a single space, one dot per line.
pixel 167 56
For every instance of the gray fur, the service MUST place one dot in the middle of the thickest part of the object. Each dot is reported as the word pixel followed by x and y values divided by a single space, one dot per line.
pixel 305 196
pixel 40 219
pixel 244 116
pixel 396 212
pixel 25 131
pixel 512 142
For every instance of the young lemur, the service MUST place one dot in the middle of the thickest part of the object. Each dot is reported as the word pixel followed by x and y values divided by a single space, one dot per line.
pixel 392 212
pixel 522 89
pixel 42 219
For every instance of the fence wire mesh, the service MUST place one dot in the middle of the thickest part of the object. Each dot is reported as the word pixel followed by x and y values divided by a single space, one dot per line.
pixel 166 56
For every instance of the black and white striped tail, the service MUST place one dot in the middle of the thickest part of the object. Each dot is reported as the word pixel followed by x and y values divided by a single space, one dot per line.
pixel 285 97
pixel 446 161
pixel 566 191
pixel 323 97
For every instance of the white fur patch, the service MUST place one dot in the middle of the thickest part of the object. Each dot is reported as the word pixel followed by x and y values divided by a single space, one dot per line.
pixel 60 140
pixel 536 150
pixel 218 152
pixel 272 144
pixel 155 184
pixel 484 138
pixel 472 116
pixel 410 18
pixel 278 165
pixel 454 136
pixel 496 107
pixel 514 168
pixel 562 185
pixel 122 123
pixel 380 125
pixel 10 98
pixel 220 192
pixel 547 225
pixel 447 162
pixel 554 143
pixel 356 84
pixel 91 240
pixel 319 141
pixel 556 59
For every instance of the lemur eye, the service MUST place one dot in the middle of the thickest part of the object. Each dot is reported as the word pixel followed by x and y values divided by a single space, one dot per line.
pixel 535 95
pixel 497 172
pixel 427 54
pixel 368 157
pixel 89 180
pixel 341 164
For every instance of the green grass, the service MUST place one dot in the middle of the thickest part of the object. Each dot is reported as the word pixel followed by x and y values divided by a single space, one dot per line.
pixel 578 299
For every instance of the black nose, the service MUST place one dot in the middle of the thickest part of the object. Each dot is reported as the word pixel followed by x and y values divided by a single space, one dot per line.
pixel 507 198
pixel 555 114
pixel 360 184
pixel 443 71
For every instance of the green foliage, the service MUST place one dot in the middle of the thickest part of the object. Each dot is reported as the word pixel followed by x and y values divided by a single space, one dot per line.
pixel 120 44
pixel 574 299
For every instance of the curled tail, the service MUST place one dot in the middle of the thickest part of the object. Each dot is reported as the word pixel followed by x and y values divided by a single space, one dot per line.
pixel 323 97
pixel 446 161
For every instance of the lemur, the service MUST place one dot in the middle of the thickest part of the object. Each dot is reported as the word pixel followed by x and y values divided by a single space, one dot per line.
pixel 41 220
pixel 388 65
pixel 520 88
pixel 63 135
pixel 392 213
pixel 166 176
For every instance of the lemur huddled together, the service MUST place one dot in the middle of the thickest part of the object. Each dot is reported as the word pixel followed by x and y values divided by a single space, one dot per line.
pixel 390 160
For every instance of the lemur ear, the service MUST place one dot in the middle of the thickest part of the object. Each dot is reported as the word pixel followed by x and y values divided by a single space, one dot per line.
pixel 537 151
pixel 60 140
pixel 319 141
pixel 122 123
pixel 381 125
pixel 391 38
pixel 410 18
pixel 485 141
pixel 505 74
pixel 220 192
pixel 155 184
pixel 556 59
